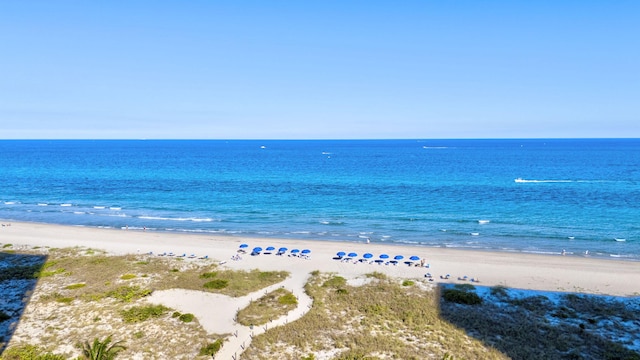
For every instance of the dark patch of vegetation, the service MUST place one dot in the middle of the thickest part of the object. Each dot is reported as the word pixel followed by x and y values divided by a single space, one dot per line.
pixel 461 297
pixel 216 284
pixel 24 272
pixel 208 275
pixel 211 349
pixel 408 283
pixel 579 327
pixel 187 318
pixel 4 316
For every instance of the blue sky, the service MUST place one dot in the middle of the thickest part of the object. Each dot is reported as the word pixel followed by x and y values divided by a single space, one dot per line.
pixel 319 69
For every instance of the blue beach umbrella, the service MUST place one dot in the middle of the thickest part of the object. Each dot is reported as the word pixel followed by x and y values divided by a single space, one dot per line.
pixel 282 249
pixel 242 246
pixel 367 256
pixel 341 254
pixel 384 256
pixel 257 249
pixel 306 251
pixel 270 248
pixel 295 251
pixel 352 254
pixel 398 257
pixel 414 258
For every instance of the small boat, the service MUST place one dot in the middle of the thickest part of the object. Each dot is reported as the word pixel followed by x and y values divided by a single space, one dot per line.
pixel 519 180
pixel 484 221
pixel 620 240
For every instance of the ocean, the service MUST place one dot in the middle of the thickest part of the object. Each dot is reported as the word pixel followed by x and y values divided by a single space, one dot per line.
pixel 519 195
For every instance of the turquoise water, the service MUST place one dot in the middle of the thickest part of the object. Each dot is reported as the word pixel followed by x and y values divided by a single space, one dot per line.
pixel 577 195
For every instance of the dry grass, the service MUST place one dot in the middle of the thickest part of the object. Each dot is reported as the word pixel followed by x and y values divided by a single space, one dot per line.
pixel 382 319
pixel 271 306
pixel 61 312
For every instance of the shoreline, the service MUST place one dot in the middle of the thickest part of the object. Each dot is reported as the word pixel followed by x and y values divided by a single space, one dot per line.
pixel 561 252
pixel 545 272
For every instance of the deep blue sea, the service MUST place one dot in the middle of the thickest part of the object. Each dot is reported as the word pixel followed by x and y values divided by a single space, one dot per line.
pixel 578 195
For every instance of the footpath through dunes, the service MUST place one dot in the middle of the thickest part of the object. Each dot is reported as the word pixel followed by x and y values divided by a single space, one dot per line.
pixel 217 313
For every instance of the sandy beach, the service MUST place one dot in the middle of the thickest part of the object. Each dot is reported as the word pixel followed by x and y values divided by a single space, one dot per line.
pixel 517 270
pixel 216 313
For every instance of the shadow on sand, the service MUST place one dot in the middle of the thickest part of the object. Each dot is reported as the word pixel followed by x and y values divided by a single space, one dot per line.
pixel 527 324
pixel 18 279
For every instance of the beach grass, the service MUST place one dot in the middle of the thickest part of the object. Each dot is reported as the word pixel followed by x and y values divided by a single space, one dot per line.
pixel 80 294
pixel 357 312
pixel 270 306
pixel 380 319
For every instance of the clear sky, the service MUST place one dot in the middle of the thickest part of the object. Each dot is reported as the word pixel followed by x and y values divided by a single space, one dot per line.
pixel 319 69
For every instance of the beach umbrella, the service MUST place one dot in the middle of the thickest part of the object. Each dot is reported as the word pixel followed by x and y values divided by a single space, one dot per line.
pixel 295 251
pixel 242 246
pixel 352 254
pixel 367 256
pixel 257 249
pixel 384 256
pixel 341 253
pixel 270 248
pixel 398 257
pixel 306 251
pixel 414 258
pixel 282 249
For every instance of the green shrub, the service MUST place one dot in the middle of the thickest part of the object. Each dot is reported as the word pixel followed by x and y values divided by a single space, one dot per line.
pixel 211 349
pixel 75 286
pixel 64 300
pixel 288 299
pixel 142 313
pixel 209 275
pixel 19 272
pixel 7 245
pixel 175 314
pixel 216 284
pixel 499 291
pixel 43 273
pixel 461 297
pixel 335 282
pixel 187 318
pixel 29 352
pixel 128 293
pixel 408 283
pixel 127 277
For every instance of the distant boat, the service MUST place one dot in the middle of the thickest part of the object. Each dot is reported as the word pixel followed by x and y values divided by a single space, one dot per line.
pixel 263 147
pixel 475 234
pixel 520 180
pixel 620 240
pixel 484 221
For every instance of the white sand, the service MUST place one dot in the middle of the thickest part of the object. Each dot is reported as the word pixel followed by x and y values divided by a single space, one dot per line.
pixel 526 271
